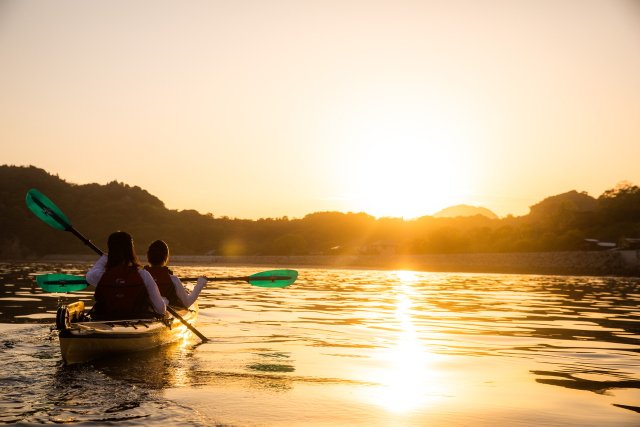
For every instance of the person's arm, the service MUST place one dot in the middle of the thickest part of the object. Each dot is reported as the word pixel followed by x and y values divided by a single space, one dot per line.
pixel 188 299
pixel 159 304
pixel 95 274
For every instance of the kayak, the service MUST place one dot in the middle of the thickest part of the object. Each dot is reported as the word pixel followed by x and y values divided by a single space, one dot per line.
pixel 85 341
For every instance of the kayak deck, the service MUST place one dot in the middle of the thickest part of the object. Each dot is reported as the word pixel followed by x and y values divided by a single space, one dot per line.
pixel 85 341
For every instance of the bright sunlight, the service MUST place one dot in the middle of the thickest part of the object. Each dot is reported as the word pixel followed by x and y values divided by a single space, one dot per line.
pixel 409 377
pixel 407 160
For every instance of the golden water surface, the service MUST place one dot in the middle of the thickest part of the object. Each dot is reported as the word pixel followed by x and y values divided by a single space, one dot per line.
pixel 345 348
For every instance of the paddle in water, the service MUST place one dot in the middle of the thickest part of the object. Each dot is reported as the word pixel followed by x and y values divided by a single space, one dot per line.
pixel 49 213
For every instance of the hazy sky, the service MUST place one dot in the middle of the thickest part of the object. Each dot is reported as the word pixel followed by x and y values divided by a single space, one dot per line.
pixel 269 108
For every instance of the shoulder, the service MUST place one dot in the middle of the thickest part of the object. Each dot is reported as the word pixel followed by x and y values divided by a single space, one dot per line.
pixel 144 273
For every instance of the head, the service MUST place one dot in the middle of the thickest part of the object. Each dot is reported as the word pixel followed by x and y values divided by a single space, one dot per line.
pixel 121 250
pixel 158 253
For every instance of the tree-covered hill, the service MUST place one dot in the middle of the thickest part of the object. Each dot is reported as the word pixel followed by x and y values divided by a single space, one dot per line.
pixel 582 201
pixel 555 224
pixel 464 210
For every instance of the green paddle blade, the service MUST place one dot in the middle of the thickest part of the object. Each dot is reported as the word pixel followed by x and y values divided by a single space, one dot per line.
pixel 47 211
pixel 270 283
pixel 61 282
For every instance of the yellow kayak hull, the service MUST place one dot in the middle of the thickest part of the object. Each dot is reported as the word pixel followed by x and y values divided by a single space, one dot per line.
pixel 86 341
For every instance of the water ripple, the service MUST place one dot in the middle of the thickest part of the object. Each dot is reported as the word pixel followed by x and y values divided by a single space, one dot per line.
pixel 356 347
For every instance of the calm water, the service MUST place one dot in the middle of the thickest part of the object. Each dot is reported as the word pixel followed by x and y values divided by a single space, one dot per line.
pixel 344 348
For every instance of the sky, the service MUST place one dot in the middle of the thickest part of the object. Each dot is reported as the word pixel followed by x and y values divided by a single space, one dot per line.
pixel 266 108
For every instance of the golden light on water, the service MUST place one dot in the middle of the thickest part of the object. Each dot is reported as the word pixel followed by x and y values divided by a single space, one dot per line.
pixel 408 372
pixel 356 348
pixel 406 276
pixel 180 371
pixel 172 369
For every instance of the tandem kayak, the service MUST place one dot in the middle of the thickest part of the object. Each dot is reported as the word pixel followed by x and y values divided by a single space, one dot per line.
pixel 85 341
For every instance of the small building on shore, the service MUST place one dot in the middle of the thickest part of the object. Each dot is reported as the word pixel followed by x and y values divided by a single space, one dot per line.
pixel 381 247
pixel 596 245
pixel 631 244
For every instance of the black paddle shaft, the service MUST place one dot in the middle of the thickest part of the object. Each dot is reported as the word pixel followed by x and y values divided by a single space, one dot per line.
pixel 244 278
pixel 85 240
pixel 185 323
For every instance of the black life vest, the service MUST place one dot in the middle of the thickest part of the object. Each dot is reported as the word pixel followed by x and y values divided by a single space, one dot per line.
pixel 121 294
pixel 162 277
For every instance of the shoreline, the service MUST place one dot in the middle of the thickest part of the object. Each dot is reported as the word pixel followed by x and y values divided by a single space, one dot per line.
pixel 600 264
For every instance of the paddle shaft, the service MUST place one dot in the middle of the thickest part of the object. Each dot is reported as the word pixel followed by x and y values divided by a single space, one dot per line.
pixel 185 323
pixel 85 240
pixel 245 278
pixel 65 282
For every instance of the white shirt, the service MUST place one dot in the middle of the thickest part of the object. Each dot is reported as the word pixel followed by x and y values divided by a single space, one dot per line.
pixel 158 303
pixel 187 299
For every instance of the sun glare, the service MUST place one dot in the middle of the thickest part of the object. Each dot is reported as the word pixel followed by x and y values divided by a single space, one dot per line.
pixel 406 163
pixel 408 378
pixel 406 276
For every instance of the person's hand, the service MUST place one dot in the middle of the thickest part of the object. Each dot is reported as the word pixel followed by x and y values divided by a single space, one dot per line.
pixel 202 280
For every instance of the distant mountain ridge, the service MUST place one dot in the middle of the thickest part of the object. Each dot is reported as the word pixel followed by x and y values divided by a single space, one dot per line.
pixel 464 210
pixel 557 223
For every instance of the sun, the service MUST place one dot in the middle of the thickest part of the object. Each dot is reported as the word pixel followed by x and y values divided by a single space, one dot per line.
pixel 405 165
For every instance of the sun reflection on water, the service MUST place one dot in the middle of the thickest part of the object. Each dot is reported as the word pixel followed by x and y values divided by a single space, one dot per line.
pixel 406 276
pixel 348 348
pixel 409 375
pixel 180 371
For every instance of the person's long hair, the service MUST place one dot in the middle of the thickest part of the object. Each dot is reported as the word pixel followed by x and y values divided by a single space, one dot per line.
pixel 121 251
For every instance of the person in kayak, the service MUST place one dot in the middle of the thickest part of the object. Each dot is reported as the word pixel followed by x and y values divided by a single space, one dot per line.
pixel 169 285
pixel 123 290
